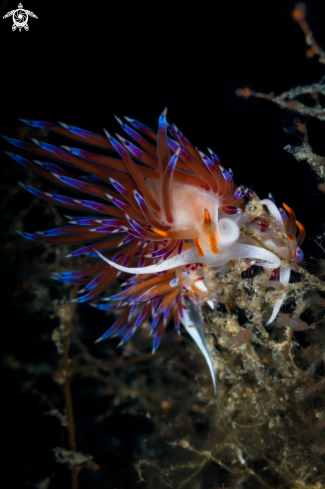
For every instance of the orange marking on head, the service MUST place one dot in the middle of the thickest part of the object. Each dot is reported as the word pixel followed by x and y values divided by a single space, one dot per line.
pixel 207 218
pixel 159 231
pixel 198 247
pixel 290 237
pixel 197 280
pixel 213 243
pixel 301 228
pixel 207 224
pixel 196 290
pixel 291 213
pixel 310 53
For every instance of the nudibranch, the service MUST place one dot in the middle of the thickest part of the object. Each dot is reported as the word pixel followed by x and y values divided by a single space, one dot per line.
pixel 281 239
pixel 163 212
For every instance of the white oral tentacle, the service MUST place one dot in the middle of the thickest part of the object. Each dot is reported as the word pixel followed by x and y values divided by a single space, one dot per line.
pixel 192 322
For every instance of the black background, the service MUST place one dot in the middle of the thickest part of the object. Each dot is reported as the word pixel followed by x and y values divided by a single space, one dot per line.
pixel 82 63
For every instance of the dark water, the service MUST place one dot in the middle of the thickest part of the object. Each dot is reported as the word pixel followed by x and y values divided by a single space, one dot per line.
pixel 81 64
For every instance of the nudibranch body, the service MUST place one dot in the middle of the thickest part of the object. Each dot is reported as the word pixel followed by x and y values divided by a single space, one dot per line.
pixel 281 239
pixel 163 212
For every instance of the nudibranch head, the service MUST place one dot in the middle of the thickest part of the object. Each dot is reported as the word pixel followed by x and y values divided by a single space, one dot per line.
pixel 162 211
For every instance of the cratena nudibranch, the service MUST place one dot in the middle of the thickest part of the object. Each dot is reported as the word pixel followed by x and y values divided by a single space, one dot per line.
pixel 161 211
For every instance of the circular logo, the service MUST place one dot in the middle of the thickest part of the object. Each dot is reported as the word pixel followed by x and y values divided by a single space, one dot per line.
pixel 20 18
